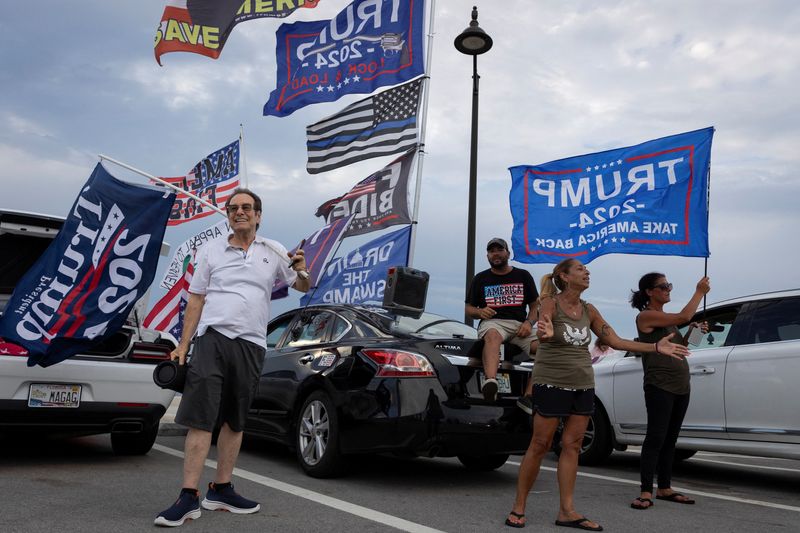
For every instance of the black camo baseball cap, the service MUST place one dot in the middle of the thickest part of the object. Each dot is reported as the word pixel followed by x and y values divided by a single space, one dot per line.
pixel 497 241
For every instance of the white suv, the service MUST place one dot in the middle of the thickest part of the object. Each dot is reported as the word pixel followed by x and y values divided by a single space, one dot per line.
pixel 745 386
pixel 108 389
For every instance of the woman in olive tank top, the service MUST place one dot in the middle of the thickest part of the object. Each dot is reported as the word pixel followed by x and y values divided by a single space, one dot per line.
pixel 666 385
pixel 564 384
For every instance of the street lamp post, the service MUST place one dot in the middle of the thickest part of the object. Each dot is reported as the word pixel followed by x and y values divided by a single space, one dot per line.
pixel 472 41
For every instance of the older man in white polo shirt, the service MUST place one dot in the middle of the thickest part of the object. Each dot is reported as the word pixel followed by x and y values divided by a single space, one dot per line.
pixel 228 308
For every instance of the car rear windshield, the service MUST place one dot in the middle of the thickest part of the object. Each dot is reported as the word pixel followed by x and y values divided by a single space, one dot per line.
pixel 430 324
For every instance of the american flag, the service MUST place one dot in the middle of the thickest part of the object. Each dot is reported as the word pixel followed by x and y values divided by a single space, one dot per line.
pixel 213 179
pixel 167 313
pixel 380 125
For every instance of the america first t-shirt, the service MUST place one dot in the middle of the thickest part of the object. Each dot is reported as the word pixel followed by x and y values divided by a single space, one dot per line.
pixel 508 294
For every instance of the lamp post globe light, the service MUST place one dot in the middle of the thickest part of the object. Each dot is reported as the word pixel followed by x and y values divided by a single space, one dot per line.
pixel 472 41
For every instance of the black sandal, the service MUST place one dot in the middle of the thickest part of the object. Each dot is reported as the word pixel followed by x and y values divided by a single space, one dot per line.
pixel 648 501
pixel 509 523
pixel 676 497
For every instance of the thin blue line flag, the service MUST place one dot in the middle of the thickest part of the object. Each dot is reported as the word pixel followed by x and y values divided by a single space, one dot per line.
pixel 645 199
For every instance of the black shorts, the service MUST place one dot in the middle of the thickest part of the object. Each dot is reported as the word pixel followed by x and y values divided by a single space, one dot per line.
pixel 552 401
pixel 220 383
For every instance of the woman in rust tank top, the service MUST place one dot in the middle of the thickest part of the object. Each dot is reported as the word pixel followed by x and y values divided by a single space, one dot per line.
pixel 564 384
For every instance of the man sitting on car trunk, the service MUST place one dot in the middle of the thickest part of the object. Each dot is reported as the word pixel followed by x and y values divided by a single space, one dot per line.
pixel 228 307
pixel 503 298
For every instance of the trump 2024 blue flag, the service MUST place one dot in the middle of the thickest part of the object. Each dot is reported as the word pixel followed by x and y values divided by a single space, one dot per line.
pixel 370 44
pixel 89 278
pixel 645 199
pixel 360 276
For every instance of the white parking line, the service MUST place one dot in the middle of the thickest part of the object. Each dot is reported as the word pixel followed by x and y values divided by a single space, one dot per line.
pixel 339 505
pixel 697 458
pixel 682 490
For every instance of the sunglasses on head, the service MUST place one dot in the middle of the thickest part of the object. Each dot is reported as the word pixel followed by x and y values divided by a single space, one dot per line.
pixel 664 286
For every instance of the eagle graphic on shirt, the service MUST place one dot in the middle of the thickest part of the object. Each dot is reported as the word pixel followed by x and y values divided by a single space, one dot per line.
pixel 576 336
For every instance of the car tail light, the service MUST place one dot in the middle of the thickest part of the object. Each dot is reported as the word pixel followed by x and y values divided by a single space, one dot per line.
pixel 399 363
pixel 150 352
pixel 7 348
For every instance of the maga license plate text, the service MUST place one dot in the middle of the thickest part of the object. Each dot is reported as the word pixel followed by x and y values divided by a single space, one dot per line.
pixel 54 395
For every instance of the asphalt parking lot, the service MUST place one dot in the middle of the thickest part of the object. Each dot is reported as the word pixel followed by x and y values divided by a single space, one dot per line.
pixel 79 485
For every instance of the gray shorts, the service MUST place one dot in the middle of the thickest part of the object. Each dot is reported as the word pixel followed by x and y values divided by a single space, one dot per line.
pixel 221 382
pixel 508 330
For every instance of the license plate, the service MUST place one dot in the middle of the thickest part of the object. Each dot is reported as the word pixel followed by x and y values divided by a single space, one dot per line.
pixel 54 395
pixel 503 383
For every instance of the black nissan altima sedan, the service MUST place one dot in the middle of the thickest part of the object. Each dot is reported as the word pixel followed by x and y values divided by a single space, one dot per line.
pixel 340 380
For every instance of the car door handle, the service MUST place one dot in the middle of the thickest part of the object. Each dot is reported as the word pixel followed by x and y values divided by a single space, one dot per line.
pixel 307 358
pixel 702 370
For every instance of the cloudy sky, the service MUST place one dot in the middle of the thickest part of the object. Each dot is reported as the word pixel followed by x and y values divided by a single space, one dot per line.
pixel 563 78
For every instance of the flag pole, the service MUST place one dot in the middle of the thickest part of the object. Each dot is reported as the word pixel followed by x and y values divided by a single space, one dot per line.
pixel 243 156
pixel 303 275
pixel 708 217
pixel 331 254
pixel 421 151
pixel 165 183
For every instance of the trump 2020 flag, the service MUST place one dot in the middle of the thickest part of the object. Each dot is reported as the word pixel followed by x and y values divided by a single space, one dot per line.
pixel 370 44
pixel 383 124
pixel 89 278
pixel 360 276
pixel 213 179
pixel 378 201
pixel 645 199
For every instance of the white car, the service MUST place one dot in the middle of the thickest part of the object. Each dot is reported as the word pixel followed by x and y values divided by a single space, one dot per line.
pixel 745 379
pixel 108 389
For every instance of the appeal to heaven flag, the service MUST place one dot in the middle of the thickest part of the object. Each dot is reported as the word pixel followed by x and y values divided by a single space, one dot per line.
pixel 203 26
pixel 318 248
pixel 369 44
pixel 176 267
pixel 101 262
pixel 378 201
pixel 382 124
pixel 167 313
pixel 360 276
pixel 645 199
pixel 213 179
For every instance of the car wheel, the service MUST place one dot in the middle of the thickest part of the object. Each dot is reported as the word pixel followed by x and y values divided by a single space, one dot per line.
pixel 682 455
pixel 596 446
pixel 483 463
pixel 317 437
pixel 134 443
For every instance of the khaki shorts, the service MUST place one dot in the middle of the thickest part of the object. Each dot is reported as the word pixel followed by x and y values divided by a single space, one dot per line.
pixel 508 330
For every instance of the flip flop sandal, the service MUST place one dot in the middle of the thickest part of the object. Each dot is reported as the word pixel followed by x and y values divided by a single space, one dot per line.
pixel 674 498
pixel 509 523
pixel 580 523
pixel 648 501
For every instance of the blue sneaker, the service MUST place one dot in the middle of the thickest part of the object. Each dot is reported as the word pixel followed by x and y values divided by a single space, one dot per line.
pixel 186 507
pixel 226 499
